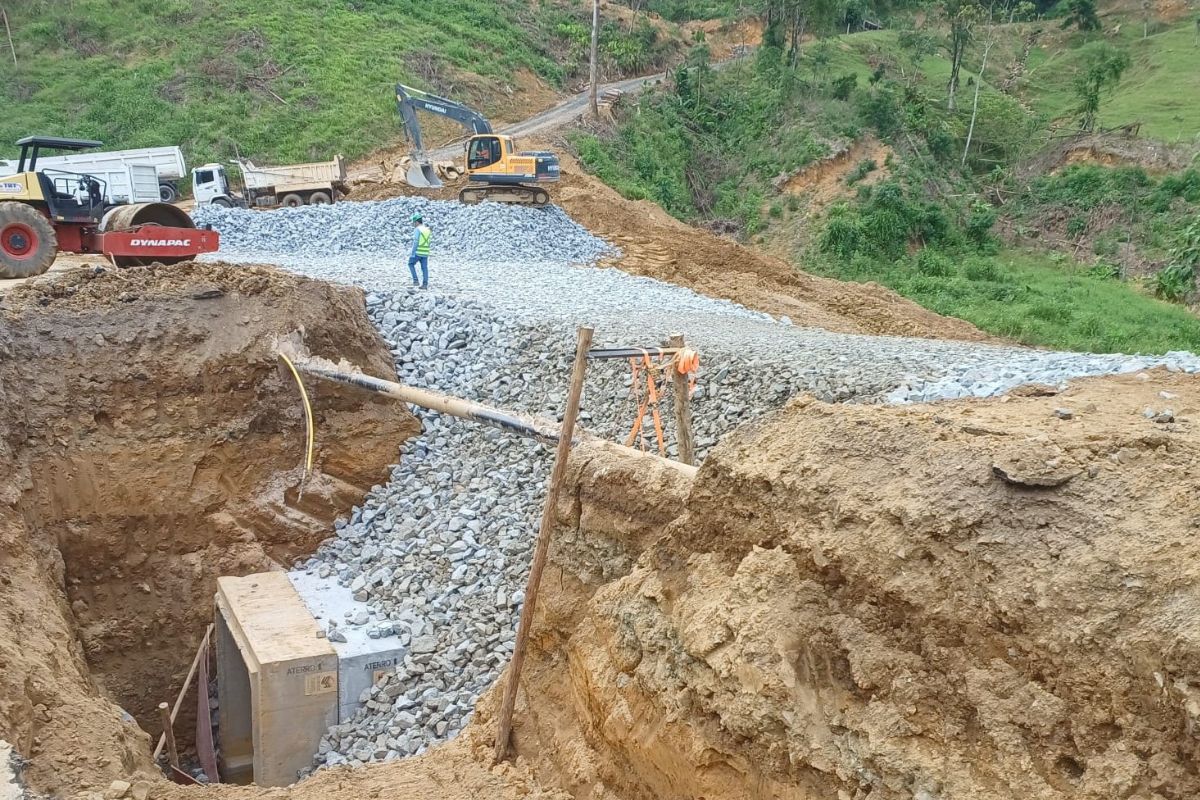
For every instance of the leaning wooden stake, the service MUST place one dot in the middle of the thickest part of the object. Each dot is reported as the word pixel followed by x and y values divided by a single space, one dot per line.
pixel 683 410
pixel 8 30
pixel 164 711
pixel 504 730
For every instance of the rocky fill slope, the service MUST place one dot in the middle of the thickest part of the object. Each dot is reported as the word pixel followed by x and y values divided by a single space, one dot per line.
pixel 148 444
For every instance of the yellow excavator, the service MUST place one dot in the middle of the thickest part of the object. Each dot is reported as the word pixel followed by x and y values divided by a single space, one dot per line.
pixel 495 170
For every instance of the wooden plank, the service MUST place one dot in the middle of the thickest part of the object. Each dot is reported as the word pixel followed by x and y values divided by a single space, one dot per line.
pixel 187 682
pixel 541 551
pixel 169 734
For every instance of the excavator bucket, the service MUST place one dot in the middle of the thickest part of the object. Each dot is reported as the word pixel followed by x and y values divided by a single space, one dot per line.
pixel 423 176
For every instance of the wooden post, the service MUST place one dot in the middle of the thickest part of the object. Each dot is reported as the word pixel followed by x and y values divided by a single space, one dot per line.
pixel 594 69
pixel 164 711
pixel 683 410
pixel 8 31
pixel 542 549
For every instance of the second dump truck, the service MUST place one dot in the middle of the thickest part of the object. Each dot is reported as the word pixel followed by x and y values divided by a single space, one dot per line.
pixel 317 184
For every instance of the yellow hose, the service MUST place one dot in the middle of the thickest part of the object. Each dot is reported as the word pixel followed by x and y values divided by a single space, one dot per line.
pixel 308 416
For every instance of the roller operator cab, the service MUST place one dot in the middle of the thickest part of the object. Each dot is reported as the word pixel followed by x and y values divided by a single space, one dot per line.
pixel 44 210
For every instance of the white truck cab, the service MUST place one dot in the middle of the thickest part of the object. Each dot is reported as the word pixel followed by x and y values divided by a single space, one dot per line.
pixel 210 184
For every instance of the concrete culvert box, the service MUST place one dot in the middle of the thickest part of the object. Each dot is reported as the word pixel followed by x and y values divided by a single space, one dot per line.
pixel 365 656
pixel 277 681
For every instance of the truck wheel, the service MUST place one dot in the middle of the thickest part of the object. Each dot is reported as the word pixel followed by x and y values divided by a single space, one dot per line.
pixel 223 202
pixel 167 193
pixel 291 201
pixel 28 244
pixel 319 199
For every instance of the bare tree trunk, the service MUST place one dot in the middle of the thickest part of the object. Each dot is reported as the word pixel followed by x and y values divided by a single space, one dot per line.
pixel 8 30
pixel 595 49
pixel 975 105
pixel 955 66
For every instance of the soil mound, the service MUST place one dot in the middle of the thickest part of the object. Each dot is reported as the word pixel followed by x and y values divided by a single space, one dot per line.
pixel 148 444
pixel 975 600
pixel 657 245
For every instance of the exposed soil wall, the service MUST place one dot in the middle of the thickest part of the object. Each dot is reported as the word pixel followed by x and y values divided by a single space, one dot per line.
pixel 973 600
pixel 151 443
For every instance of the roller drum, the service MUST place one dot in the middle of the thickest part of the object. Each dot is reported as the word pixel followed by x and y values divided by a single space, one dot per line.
pixel 162 215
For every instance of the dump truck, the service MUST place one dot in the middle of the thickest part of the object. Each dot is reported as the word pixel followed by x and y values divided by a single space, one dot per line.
pixel 318 183
pixel 496 170
pixel 45 210
pixel 114 165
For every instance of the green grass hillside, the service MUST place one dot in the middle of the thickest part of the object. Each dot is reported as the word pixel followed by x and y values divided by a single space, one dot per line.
pixel 1160 88
pixel 277 80
pixel 940 221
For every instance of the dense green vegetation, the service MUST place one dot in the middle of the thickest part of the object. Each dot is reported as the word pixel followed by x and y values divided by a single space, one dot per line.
pixel 1107 207
pixel 278 81
pixel 712 146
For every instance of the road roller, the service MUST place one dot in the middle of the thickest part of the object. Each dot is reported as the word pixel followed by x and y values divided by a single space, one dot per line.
pixel 44 212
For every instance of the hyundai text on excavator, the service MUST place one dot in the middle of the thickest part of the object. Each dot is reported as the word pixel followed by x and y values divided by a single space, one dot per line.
pixel 494 167
pixel 48 210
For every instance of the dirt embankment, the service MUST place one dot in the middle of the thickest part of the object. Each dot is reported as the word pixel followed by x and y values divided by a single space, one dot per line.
pixel 969 601
pixel 657 245
pixel 150 443
pixel 974 600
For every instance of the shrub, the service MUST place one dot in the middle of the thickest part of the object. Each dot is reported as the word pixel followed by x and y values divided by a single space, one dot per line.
pixel 979 224
pixel 978 269
pixel 934 264
pixel 843 86
pixel 861 170
pixel 843 233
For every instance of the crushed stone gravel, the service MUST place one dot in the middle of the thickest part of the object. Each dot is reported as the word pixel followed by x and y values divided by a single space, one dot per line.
pixel 444 546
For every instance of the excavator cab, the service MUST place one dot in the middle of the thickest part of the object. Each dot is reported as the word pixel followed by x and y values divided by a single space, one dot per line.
pixel 483 151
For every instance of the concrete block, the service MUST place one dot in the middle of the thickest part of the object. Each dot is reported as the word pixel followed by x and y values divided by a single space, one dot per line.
pixel 277 682
pixel 361 659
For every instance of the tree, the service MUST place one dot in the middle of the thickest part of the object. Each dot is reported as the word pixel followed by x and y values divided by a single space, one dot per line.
pixel 786 22
pixel 1101 67
pixel 961 18
pixel 698 60
pixel 975 104
pixel 916 46
pixel 1082 14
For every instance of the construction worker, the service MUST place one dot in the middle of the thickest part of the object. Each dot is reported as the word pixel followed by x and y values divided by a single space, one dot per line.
pixel 420 251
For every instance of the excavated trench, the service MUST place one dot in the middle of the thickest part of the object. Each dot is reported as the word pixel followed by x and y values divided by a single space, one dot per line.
pixel 150 445
pixel 968 601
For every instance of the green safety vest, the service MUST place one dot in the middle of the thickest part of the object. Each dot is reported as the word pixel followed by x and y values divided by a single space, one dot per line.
pixel 423 237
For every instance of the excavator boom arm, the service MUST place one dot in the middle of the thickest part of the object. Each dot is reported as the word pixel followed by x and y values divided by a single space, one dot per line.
pixel 411 100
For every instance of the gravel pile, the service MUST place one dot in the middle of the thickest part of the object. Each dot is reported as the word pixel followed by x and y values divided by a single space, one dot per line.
pixel 484 232
pixel 439 555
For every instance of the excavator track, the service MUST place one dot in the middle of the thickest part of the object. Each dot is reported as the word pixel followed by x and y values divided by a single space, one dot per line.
pixel 505 193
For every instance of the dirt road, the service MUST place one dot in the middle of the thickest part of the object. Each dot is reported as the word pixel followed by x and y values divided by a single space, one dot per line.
pixel 561 114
